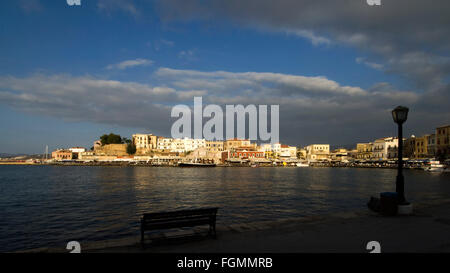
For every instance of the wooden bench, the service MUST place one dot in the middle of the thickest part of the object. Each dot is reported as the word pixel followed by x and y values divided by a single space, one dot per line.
pixel 178 219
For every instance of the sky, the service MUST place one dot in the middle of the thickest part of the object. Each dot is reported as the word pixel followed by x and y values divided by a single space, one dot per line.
pixel 69 74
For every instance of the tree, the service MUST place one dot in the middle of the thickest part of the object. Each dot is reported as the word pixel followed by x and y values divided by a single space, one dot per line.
pixel 111 139
pixel 131 149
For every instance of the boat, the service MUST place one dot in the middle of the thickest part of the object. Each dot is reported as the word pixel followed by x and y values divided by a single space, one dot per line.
pixel 302 164
pixel 434 166
pixel 196 163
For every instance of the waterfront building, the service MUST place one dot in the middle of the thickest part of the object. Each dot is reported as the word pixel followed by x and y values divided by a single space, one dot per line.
pixel 164 144
pixel 364 151
pixel 288 151
pixel 385 148
pixel 215 146
pixel 206 155
pixel 145 143
pixel 443 142
pixel 178 145
pixel 421 147
pixel 392 152
pixel 284 151
pixel 76 151
pixel 62 154
pixel 318 152
pixel 231 144
pixel 87 155
pixel 267 149
pixel 301 153
pixel 431 145
pixel 340 155
pixel 351 154
pixel 409 146
pixel 246 153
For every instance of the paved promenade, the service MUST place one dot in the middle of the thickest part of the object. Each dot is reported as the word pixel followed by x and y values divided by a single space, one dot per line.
pixel 428 230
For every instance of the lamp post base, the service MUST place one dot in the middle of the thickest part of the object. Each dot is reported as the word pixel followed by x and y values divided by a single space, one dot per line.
pixel 405 209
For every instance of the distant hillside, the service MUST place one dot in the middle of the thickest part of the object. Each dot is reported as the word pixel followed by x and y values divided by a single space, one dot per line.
pixel 6 155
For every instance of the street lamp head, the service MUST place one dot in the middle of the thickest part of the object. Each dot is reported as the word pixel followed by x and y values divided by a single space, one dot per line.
pixel 400 114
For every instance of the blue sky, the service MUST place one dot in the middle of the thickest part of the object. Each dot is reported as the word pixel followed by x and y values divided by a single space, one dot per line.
pixel 49 50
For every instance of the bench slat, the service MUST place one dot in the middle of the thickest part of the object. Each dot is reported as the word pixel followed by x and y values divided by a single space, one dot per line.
pixel 177 219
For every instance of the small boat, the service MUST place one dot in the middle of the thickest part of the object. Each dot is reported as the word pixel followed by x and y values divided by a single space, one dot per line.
pixel 434 166
pixel 196 164
pixel 302 164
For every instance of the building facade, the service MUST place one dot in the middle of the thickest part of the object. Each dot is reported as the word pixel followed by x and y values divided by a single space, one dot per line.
pixel 318 152
pixel 62 154
pixel 443 142
pixel 145 143
pixel 231 144
pixel 214 146
pixel 364 151
pixel 384 148
pixel 431 140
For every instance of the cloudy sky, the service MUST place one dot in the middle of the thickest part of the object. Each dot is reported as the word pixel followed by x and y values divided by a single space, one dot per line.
pixel 336 68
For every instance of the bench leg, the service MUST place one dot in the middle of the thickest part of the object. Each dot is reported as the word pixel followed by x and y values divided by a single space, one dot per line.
pixel 142 238
pixel 212 230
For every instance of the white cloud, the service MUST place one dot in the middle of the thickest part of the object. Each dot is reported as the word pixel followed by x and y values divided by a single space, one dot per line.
pixel 310 35
pixel 130 63
pixel 376 66
pixel 311 108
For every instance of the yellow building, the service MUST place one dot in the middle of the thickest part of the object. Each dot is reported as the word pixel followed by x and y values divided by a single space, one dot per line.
pixel 144 143
pixel 214 146
pixel 421 147
pixel 364 151
pixel 443 141
pixel 231 144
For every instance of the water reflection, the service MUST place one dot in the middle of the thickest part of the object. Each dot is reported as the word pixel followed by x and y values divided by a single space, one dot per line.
pixel 44 205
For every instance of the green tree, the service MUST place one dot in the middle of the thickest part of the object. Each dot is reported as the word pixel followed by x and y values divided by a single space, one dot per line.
pixel 131 149
pixel 111 139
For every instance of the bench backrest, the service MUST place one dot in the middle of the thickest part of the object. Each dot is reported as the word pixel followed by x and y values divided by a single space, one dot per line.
pixel 181 218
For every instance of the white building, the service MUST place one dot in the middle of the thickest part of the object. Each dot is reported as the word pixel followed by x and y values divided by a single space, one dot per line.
pixel 180 145
pixel 77 150
pixel 281 150
pixel 382 146
pixel 318 152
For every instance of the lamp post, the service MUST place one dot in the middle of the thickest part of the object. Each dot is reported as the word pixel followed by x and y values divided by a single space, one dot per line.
pixel 400 115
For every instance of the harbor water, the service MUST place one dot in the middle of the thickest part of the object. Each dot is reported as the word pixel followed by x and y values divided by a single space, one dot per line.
pixel 48 206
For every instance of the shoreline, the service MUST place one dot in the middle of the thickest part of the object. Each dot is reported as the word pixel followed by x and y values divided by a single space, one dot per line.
pixel 346 231
pixel 122 164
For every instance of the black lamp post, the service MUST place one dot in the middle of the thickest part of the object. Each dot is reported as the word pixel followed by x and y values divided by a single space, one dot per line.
pixel 400 115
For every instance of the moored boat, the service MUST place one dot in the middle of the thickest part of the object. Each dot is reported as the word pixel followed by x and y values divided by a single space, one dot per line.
pixel 434 166
pixel 196 164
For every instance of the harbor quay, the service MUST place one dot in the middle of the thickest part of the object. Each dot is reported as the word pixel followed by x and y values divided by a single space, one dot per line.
pixel 345 232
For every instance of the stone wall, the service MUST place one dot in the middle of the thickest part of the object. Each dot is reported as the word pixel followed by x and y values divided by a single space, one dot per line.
pixel 111 149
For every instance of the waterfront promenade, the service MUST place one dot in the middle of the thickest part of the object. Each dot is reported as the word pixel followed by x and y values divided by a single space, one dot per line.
pixel 425 231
